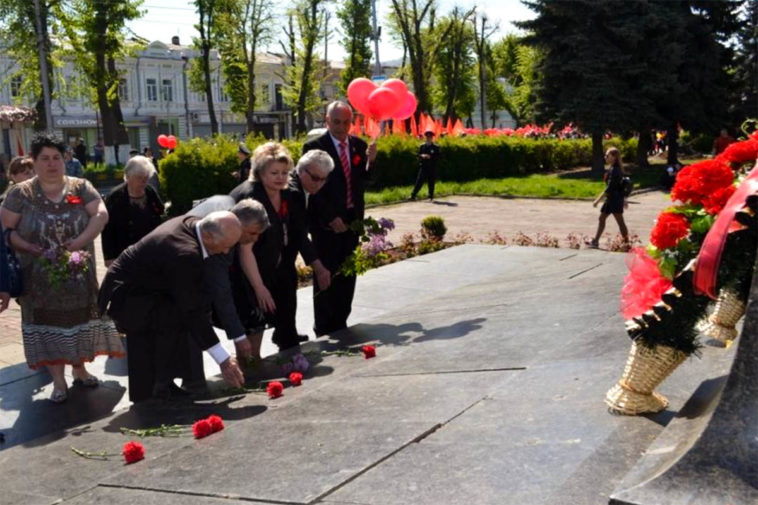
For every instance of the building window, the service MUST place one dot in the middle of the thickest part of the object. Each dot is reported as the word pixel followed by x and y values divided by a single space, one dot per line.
pixel 16 83
pixel 152 90
pixel 123 90
pixel 264 97
pixel 167 90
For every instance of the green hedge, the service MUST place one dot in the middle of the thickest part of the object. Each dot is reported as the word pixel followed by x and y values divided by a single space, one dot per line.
pixel 200 168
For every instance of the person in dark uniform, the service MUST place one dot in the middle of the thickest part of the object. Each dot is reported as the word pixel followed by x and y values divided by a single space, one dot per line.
pixel 271 269
pixel 243 154
pixel 155 293
pixel 428 154
pixel 80 152
pixel 339 203
pixel 614 197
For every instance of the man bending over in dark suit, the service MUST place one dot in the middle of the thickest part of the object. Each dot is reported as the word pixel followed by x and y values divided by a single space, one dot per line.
pixel 333 209
pixel 158 298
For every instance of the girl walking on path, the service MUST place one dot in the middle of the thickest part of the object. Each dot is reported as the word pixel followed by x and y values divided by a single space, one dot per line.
pixel 614 197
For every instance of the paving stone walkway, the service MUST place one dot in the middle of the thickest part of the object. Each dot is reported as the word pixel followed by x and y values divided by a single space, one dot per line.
pixel 478 217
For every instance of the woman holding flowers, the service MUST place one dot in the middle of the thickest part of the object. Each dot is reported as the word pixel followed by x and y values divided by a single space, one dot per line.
pixel 614 197
pixel 54 220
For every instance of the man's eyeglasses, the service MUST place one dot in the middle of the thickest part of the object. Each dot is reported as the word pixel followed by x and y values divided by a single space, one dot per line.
pixel 313 177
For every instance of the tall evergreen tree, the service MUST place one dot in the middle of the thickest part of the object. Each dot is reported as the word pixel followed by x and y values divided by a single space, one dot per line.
pixel 356 37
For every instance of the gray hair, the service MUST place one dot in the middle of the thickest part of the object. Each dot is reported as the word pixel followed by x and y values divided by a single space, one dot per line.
pixel 337 104
pixel 266 154
pixel 212 225
pixel 316 157
pixel 249 212
pixel 138 165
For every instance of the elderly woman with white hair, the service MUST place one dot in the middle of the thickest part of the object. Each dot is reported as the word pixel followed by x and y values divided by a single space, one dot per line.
pixel 271 271
pixel 134 207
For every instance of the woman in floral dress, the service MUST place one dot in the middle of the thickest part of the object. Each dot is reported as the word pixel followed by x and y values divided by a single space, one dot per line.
pixel 60 322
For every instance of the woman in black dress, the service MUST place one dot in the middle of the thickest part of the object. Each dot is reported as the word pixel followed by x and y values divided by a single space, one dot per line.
pixel 271 270
pixel 614 197
pixel 134 207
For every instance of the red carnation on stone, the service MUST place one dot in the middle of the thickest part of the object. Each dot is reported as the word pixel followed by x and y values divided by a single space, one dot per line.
pixel 73 199
pixel 274 389
pixel 202 428
pixel 740 152
pixel 216 423
pixel 296 378
pixel 716 202
pixel 133 452
pixel 669 229
pixel 369 351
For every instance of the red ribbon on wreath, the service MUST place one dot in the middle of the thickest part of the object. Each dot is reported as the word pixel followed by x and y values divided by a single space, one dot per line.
pixel 709 257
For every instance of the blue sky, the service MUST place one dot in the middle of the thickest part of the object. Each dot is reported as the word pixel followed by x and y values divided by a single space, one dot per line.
pixel 165 18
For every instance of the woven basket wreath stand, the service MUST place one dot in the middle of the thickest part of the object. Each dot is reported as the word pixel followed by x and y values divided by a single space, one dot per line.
pixel 645 369
pixel 720 325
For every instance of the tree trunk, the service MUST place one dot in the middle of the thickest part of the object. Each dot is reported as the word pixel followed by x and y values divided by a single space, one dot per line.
pixel 208 89
pixel 250 116
pixel 598 166
pixel 672 141
pixel 644 144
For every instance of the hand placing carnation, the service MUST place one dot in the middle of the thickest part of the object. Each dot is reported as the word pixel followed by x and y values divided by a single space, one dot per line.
pixel 133 452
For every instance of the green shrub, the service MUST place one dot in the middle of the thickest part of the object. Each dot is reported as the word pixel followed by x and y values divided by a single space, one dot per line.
pixel 433 228
pixel 199 168
pixel 701 143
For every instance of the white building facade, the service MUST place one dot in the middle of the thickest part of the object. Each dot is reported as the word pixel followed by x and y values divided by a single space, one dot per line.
pixel 156 99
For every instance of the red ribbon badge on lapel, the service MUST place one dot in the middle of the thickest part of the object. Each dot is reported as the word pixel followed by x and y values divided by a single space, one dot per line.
pixel 709 257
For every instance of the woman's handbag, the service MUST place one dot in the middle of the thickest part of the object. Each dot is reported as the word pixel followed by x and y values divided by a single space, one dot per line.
pixel 10 268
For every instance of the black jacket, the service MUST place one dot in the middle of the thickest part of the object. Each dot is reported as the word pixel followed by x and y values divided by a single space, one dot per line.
pixel 160 281
pixel 128 223
pixel 331 200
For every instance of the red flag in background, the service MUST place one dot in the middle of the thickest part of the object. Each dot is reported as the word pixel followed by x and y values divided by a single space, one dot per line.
pixel 398 127
pixel 414 126
pixel 437 128
pixel 449 127
pixel 372 128
pixel 458 128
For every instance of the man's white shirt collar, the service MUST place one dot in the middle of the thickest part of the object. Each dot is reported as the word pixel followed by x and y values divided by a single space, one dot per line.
pixel 200 239
pixel 338 142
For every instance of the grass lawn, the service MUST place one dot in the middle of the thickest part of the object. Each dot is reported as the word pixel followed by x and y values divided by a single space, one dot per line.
pixel 576 184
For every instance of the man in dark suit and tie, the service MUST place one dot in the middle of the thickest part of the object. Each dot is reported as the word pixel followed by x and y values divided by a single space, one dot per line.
pixel 333 209
pixel 158 298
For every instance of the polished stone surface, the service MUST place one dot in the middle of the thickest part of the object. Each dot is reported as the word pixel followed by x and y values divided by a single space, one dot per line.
pixel 492 363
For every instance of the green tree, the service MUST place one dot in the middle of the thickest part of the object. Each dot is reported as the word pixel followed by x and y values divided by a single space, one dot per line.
pixel 95 32
pixel 200 73
pixel 483 65
pixel 18 39
pixel 454 66
pixel 242 30
pixel 413 24
pixel 304 73
pixel 356 29
pixel 516 62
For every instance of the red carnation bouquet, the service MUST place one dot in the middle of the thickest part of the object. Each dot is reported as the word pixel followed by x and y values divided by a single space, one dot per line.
pixel 700 192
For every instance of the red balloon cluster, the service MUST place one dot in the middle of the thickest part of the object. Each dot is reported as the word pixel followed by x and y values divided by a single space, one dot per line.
pixel 391 100
pixel 167 141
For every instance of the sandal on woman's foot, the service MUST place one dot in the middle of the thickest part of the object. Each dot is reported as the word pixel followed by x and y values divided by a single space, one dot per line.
pixel 88 382
pixel 58 396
